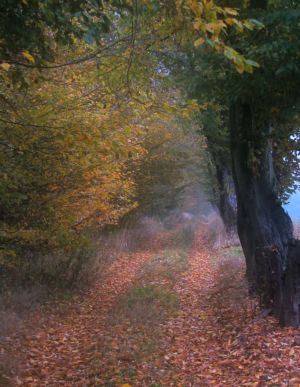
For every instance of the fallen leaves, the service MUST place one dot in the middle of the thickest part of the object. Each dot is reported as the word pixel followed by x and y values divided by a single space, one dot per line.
pixel 213 339
pixel 223 344
pixel 60 350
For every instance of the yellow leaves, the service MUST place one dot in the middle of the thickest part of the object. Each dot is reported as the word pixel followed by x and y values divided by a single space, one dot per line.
pixel 240 62
pixel 215 27
pixel 126 385
pixel 5 66
pixel 231 11
pixel 196 7
pixel 198 25
pixel 230 21
pixel 28 56
pixel 240 68
pixel 190 107
pixel 82 141
pixel 210 24
pixel 248 24
pixel 211 21
pixel 199 42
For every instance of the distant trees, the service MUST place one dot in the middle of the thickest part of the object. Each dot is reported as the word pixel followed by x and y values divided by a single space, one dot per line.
pixel 175 159
pixel 197 72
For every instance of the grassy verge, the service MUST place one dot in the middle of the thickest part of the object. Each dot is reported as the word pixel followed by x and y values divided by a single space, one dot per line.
pixel 233 253
pixel 230 296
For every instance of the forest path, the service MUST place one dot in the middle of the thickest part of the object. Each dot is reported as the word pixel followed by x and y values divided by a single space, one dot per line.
pixel 220 335
pixel 176 315
pixel 58 353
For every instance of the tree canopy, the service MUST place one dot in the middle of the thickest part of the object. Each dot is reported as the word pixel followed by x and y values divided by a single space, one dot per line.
pixel 107 107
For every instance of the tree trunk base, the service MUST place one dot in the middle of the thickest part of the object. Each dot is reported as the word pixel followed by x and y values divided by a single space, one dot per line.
pixel 290 311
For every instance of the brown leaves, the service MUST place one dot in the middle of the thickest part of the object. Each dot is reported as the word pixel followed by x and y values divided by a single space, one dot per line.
pixel 61 349
pixel 223 345
pixel 214 339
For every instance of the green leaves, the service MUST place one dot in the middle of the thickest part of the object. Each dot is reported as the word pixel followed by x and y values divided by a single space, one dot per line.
pixel 26 43
pixel 254 22
pixel 213 26
pixel 241 63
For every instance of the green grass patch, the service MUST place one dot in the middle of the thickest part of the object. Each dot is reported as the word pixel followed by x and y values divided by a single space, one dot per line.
pixel 233 251
pixel 147 304
pixel 168 265
pixel 138 315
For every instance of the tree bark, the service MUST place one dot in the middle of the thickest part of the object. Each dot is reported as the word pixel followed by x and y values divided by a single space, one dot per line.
pixel 256 4
pixel 264 228
pixel 226 197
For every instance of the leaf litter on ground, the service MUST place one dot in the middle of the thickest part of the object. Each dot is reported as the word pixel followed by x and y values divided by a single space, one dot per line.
pixel 176 316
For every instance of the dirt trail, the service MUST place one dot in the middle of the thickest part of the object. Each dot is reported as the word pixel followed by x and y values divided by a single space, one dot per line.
pixel 190 353
pixel 215 337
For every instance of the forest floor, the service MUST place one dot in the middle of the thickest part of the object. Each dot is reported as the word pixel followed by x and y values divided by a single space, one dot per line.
pixel 174 314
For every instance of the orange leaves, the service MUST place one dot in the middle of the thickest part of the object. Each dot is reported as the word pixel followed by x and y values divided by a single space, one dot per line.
pixel 5 66
pixel 197 7
pixel 216 27
pixel 211 22
pixel 66 342
pixel 211 341
pixel 230 11
pixel 199 42
pixel 82 135
pixel 28 56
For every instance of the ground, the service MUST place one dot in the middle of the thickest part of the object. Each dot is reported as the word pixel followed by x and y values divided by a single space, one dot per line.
pixel 175 313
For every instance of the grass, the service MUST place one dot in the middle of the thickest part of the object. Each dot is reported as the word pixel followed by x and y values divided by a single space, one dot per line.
pixel 152 297
pixel 138 316
pixel 233 251
pixel 165 267
pixel 147 304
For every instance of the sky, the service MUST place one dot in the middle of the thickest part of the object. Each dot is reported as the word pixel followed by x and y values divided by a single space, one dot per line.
pixel 293 208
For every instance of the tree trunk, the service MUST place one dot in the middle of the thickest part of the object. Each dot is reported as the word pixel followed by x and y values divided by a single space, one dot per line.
pixel 226 198
pixel 265 230
pixel 258 4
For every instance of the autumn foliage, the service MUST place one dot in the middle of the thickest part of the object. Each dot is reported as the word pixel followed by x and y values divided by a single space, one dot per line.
pixel 128 129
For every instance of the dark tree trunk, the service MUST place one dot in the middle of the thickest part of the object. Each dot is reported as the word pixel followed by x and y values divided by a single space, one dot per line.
pixel 265 230
pixel 226 197
pixel 258 4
